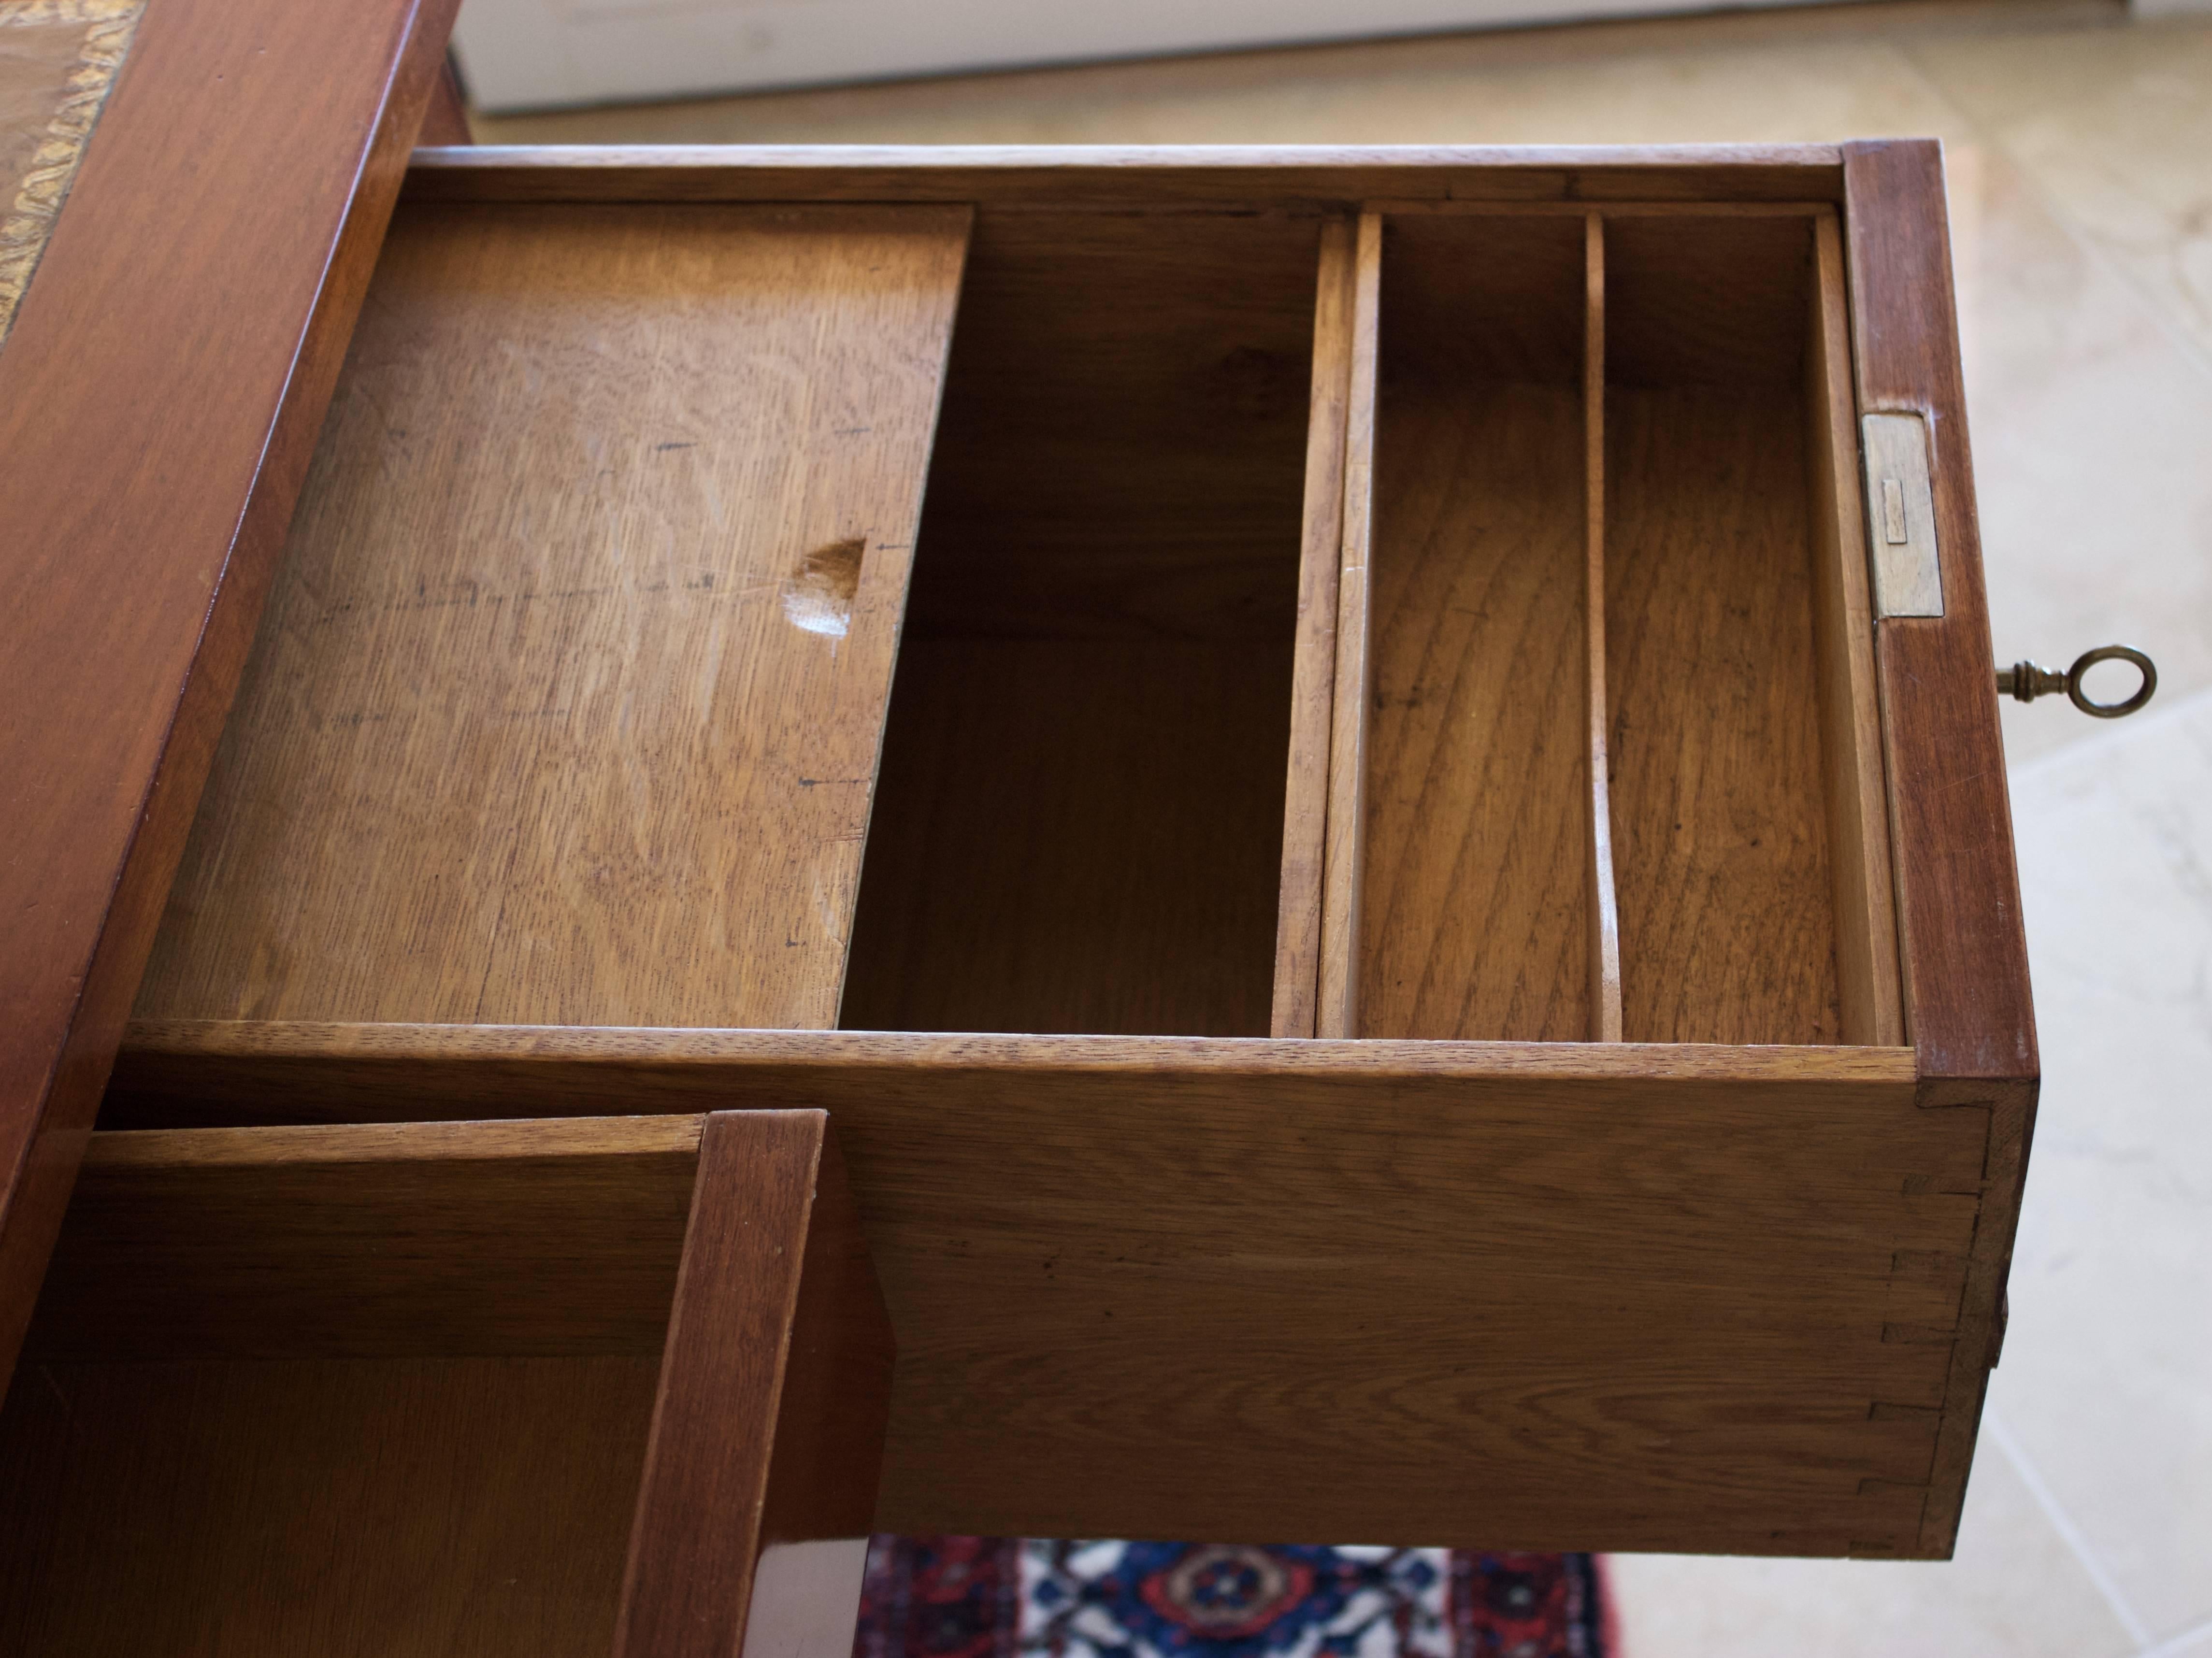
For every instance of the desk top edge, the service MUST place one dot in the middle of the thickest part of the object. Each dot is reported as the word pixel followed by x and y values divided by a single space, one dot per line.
pixel 1154 176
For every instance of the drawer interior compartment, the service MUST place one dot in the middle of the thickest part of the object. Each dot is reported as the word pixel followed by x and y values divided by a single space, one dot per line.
pixel 1475 909
pixel 242 1409
pixel 1720 824
pixel 1426 624
pixel 1078 817
pixel 419 1388
pixel 1614 757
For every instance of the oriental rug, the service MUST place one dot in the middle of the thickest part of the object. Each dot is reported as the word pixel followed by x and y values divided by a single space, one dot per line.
pixel 996 1597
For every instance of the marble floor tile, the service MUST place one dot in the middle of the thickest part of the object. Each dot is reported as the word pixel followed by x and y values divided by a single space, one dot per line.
pixel 2115 127
pixel 2093 452
pixel 2106 1382
pixel 2014 1590
pixel 2190 1643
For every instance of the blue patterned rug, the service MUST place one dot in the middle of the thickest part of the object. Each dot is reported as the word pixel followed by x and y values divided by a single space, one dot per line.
pixel 997 1597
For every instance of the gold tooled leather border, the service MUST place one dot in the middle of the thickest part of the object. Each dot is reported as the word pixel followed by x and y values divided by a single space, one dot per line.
pixel 27 217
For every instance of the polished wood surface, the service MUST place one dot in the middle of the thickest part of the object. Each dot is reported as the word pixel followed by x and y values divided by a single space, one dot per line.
pixel 566 702
pixel 1968 1010
pixel 1475 919
pixel 1183 1245
pixel 1344 866
pixel 157 410
pixel 1081 804
pixel 1313 673
pixel 759 1489
pixel 1870 1002
pixel 1727 921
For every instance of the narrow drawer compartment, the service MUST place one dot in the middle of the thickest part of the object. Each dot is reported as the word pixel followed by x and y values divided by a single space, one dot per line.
pixel 1604 763
pixel 1748 844
pixel 1475 908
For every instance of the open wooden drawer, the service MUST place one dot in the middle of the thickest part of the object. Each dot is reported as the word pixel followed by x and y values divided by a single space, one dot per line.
pixel 1297 749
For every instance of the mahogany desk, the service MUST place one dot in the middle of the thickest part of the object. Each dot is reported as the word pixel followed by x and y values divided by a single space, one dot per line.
pixel 1364 783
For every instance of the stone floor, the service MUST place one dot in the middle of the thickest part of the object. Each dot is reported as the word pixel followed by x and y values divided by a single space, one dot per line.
pixel 2080 146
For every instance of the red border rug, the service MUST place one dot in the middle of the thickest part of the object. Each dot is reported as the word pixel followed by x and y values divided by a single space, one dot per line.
pixel 998 1597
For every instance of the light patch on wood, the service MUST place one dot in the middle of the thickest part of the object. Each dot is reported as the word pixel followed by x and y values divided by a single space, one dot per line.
pixel 58 60
pixel 818 595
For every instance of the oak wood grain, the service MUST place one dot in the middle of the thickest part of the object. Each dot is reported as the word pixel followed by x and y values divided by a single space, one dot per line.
pixel 1123 443
pixel 753 1523
pixel 158 412
pixel 1727 931
pixel 1075 835
pixel 433 1347
pixel 1604 906
pixel 1870 1007
pixel 356 1508
pixel 1313 673
pixel 1474 920
pixel 1234 176
pixel 1186 1245
pixel 1344 860
pixel 218 1072
pixel 1967 1001
pixel 1727 918
pixel 566 704
pixel 1965 957
pixel 1079 820
pixel 1707 299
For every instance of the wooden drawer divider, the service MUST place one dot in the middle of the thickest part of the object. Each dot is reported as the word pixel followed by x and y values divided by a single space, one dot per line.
pixel 1801 756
